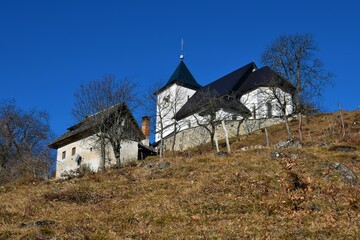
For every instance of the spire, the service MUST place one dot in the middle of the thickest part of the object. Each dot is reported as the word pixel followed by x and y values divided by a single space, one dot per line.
pixel 182 49
pixel 182 76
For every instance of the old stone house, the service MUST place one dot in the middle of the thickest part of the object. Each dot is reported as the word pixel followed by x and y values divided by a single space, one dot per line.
pixel 258 96
pixel 79 145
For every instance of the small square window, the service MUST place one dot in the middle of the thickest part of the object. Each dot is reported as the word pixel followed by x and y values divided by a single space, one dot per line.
pixel 166 99
pixel 73 151
pixel 63 154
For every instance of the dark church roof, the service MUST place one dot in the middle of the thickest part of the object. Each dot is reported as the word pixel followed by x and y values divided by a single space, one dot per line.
pixel 183 77
pixel 238 82
pixel 265 77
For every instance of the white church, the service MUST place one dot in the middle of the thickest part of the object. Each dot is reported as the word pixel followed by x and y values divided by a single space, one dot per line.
pixel 251 93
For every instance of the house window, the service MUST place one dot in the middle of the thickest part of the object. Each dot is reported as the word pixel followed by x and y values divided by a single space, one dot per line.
pixel 167 99
pixel 269 109
pixel 63 154
pixel 73 151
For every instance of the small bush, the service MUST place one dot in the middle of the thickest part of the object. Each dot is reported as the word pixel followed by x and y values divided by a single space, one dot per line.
pixel 81 171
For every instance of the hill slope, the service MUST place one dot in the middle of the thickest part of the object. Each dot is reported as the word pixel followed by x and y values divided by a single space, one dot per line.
pixel 254 193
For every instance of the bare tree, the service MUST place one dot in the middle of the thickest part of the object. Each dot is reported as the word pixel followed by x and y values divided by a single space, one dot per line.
pixel 276 101
pixel 252 120
pixel 176 102
pixel 167 103
pixel 293 58
pixel 215 109
pixel 162 116
pixel 24 136
pixel 104 106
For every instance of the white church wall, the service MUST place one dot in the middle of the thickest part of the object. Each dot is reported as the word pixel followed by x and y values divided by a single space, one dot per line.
pixel 169 102
pixel 257 102
pixel 250 100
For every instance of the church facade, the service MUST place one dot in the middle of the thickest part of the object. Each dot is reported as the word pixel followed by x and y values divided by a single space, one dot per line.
pixel 258 97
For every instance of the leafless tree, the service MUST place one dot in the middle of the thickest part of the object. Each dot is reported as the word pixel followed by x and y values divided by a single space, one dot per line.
pixel 293 58
pixel 250 121
pixel 167 103
pixel 276 101
pixel 176 102
pixel 24 136
pixel 215 109
pixel 104 106
pixel 162 114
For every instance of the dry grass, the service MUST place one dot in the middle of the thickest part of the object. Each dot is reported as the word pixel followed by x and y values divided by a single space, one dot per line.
pixel 247 195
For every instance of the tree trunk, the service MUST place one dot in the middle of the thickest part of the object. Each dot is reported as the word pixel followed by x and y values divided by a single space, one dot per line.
pixel 238 129
pixel 342 122
pixel 212 134
pixel 226 136
pixel 217 145
pixel 161 145
pixel 103 154
pixel 287 127
pixel 118 160
pixel 300 126
pixel 173 142
pixel 116 149
pixel 267 137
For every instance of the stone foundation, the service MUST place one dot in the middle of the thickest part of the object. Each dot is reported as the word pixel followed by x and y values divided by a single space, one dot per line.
pixel 196 136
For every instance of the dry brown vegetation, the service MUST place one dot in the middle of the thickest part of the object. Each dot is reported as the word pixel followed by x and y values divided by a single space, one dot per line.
pixel 247 195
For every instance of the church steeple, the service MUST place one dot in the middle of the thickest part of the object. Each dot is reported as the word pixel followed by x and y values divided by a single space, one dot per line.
pixel 183 77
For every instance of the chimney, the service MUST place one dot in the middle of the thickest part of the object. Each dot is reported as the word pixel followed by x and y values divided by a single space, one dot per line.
pixel 145 128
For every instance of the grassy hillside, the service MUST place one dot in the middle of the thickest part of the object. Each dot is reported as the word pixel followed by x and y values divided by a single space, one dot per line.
pixel 247 195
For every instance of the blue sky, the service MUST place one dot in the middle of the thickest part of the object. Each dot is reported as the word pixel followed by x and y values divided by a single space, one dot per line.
pixel 48 48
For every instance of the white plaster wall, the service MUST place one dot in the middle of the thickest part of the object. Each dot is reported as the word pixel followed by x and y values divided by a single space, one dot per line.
pixel 178 97
pixel 250 100
pixel 257 99
pixel 83 148
pixel 91 155
pixel 128 151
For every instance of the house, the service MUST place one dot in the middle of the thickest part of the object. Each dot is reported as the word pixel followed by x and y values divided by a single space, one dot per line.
pixel 80 144
pixel 257 95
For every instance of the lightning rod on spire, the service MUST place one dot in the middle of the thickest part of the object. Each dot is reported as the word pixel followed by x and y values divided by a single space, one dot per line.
pixel 182 49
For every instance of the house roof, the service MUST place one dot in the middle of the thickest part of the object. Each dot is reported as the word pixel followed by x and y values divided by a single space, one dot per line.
pixel 239 82
pixel 84 128
pixel 219 88
pixel 183 77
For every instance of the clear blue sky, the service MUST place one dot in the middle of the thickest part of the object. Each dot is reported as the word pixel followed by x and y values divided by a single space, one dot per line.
pixel 49 47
